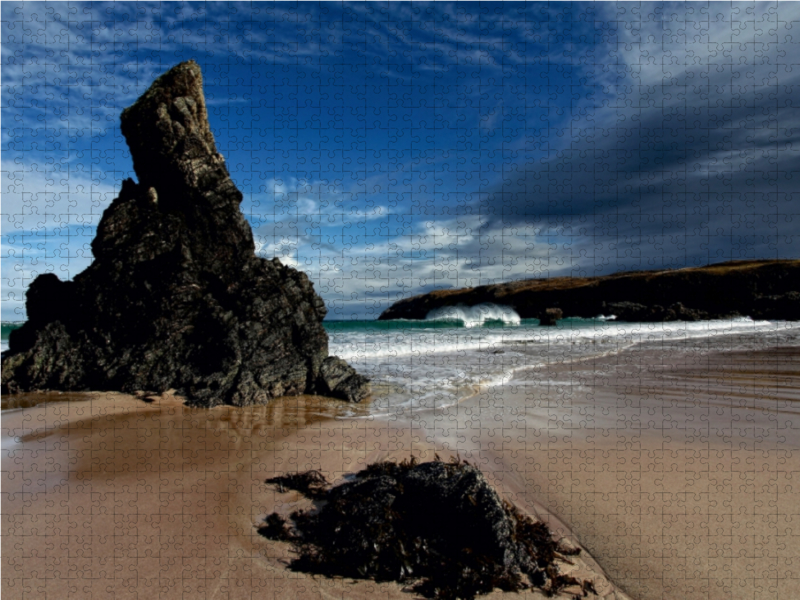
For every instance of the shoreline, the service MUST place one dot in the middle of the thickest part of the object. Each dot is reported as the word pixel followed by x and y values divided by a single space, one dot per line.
pixel 629 455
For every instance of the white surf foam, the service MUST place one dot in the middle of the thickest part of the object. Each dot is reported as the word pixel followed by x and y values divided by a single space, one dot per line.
pixel 475 316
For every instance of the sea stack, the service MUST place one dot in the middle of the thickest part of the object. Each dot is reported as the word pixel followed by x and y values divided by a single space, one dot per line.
pixel 176 297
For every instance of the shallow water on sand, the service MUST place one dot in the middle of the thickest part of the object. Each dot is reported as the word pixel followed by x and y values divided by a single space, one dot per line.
pixel 419 366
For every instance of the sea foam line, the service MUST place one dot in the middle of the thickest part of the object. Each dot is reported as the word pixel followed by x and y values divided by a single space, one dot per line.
pixel 475 316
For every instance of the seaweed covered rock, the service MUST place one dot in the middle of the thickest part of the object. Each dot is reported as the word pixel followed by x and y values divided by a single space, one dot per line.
pixel 176 297
pixel 438 525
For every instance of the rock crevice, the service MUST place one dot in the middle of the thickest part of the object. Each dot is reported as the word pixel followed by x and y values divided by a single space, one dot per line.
pixel 176 297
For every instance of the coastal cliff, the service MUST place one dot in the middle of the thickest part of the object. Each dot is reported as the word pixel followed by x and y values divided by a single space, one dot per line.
pixel 761 289
pixel 176 297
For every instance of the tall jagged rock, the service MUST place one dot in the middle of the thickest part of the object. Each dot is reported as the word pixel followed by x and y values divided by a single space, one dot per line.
pixel 176 297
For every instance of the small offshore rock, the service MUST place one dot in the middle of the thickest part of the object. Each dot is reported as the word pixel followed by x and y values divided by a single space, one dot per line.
pixel 551 316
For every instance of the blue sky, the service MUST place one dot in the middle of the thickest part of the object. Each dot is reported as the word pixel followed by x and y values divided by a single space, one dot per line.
pixel 388 149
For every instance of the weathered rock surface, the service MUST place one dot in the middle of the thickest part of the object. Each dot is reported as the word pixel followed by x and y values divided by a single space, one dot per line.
pixel 550 316
pixel 631 311
pixel 176 297
pixel 761 289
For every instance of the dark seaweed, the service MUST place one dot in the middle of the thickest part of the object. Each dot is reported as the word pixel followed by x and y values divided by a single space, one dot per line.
pixel 275 528
pixel 439 527
pixel 312 484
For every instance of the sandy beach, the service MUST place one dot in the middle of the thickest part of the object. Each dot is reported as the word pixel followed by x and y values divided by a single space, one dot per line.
pixel 674 470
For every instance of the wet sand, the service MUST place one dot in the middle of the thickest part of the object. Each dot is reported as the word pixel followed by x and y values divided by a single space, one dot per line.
pixel 676 472
pixel 108 495
pixel 679 471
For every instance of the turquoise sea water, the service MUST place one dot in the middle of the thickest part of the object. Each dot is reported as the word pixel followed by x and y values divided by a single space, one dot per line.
pixel 433 363
pixel 6 327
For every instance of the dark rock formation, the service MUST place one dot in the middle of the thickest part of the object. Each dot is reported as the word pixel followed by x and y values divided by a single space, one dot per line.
pixel 762 289
pixel 550 316
pixel 338 379
pixel 630 311
pixel 438 525
pixel 176 297
pixel 779 306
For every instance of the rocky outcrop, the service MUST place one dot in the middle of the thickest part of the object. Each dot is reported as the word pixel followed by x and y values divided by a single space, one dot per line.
pixel 762 289
pixel 437 526
pixel 631 311
pixel 176 297
pixel 550 316
pixel 780 306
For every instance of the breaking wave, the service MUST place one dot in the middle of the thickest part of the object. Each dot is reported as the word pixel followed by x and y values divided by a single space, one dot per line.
pixel 475 316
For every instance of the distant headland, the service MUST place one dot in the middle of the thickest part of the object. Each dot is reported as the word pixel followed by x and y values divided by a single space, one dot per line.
pixel 761 289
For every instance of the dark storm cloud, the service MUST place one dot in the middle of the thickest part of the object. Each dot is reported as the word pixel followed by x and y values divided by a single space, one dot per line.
pixel 698 164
